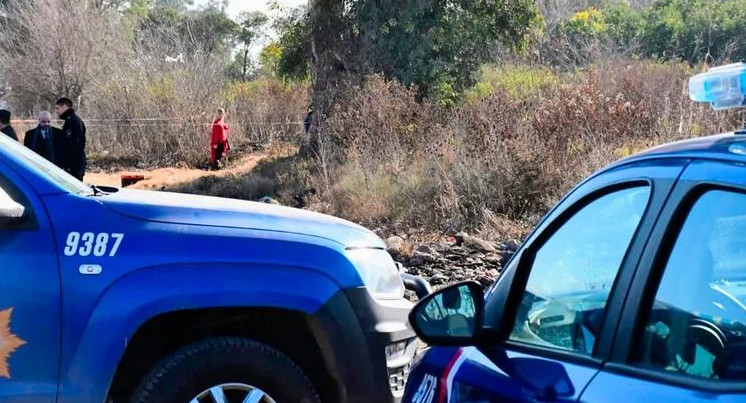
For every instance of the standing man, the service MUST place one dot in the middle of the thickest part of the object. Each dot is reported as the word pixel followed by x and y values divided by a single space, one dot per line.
pixel 46 140
pixel 5 126
pixel 73 158
pixel 219 139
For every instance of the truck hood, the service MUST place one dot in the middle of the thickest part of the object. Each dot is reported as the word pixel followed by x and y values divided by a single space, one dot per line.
pixel 177 208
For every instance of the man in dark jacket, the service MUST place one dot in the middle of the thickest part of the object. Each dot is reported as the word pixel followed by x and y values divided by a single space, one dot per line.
pixel 45 140
pixel 73 154
pixel 5 126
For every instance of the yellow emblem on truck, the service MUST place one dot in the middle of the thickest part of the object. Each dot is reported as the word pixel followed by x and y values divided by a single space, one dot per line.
pixel 8 342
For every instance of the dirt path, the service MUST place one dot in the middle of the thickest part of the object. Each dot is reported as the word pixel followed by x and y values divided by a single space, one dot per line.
pixel 158 178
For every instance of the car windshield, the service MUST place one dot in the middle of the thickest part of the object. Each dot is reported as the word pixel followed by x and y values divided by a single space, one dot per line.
pixel 42 167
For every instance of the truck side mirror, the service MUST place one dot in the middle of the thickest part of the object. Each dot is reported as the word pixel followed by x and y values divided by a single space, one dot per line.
pixel 451 316
pixel 10 210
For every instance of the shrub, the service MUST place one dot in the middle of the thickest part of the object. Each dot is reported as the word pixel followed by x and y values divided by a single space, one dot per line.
pixel 519 81
pixel 695 31
pixel 509 152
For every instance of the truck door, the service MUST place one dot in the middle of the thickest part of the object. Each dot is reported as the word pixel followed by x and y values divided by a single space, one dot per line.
pixel 29 297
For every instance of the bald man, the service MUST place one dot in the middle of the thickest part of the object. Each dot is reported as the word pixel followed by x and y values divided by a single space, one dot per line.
pixel 45 139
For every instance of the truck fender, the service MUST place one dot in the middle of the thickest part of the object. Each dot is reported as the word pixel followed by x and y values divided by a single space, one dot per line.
pixel 143 294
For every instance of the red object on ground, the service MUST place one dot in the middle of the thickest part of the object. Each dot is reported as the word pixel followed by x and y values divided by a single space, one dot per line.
pixel 219 136
pixel 129 179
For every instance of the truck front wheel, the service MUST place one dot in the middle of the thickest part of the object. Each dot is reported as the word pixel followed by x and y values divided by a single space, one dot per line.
pixel 226 370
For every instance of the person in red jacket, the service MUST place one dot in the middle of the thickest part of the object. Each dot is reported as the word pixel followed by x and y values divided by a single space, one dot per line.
pixel 219 139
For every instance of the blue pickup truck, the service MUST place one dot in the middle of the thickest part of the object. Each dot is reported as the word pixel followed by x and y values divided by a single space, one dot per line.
pixel 115 295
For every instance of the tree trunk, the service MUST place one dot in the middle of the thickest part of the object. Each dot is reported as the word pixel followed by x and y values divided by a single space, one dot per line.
pixel 245 63
pixel 328 48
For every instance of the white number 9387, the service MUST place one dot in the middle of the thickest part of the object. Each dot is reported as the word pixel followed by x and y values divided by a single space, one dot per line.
pixel 88 243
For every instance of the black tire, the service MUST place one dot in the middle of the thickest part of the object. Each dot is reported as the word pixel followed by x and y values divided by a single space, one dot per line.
pixel 216 361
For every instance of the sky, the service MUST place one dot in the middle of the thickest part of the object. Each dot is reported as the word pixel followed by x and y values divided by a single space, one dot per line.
pixel 237 6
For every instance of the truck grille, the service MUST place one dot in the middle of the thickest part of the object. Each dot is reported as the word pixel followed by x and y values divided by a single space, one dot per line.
pixel 398 378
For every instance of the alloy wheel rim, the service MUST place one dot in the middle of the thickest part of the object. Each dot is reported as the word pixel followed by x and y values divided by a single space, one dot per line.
pixel 233 393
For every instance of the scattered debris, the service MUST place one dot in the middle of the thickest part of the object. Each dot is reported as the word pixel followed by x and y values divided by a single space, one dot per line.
pixel 463 257
pixel 129 179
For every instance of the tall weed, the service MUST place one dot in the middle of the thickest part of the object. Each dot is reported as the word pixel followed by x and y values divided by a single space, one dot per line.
pixel 510 150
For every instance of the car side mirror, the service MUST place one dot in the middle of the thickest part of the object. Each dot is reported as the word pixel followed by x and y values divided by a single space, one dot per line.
pixel 10 210
pixel 451 316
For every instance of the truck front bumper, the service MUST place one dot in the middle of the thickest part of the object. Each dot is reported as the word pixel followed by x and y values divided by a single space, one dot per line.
pixel 367 345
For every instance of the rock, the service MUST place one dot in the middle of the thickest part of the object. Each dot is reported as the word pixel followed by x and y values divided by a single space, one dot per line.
pixel 428 258
pixel 267 199
pixel 510 246
pixel 416 261
pixel 444 263
pixel 438 279
pixel 424 248
pixel 394 243
pixel 475 243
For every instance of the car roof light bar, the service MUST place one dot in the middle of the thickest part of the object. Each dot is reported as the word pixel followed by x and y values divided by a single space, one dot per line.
pixel 723 87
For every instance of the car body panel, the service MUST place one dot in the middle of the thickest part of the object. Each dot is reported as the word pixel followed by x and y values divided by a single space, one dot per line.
pixel 30 322
pixel 478 375
pixel 214 211
pixel 608 387
pixel 96 266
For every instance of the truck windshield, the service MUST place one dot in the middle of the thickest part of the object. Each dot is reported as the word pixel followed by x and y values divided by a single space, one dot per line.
pixel 41 166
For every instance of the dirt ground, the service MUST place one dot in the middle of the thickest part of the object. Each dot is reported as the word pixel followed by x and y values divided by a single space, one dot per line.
pixel 167 177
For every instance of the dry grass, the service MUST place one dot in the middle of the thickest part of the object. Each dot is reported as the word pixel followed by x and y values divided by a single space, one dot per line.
pixel 492 165
pixel 497 162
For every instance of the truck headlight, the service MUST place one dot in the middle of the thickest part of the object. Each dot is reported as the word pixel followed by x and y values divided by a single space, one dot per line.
pixel 378 271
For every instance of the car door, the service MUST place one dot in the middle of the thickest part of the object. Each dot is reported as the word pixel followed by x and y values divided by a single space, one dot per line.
pixel 29 299
pixel 683 333
pixel 555 308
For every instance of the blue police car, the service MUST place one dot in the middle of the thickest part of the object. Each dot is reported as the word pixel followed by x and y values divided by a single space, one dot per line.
pixel 115 295
pixel 632 289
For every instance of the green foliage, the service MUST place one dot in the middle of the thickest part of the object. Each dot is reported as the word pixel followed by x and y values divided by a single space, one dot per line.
pixel 589 22
pixel 623 23
pixel 251 24
pixel 438 45
pixel 208 29
pixel 269 60
pixel 251 27
pixel 520 82
pixel 710 31
pixel 695 30
pixel 138 8
pixel 294 46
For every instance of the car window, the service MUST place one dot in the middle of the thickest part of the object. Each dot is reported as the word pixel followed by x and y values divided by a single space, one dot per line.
pixel 574 270
pixel 697 323
pixel 43 167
